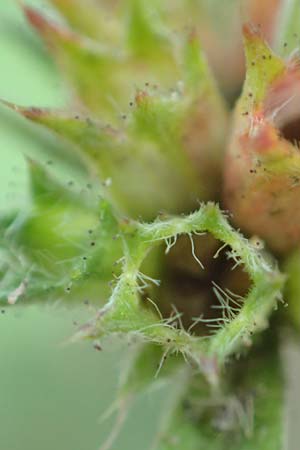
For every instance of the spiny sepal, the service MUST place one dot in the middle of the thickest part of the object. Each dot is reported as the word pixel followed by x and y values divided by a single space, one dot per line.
pixel 62 244
pixel 156 143
pixel 193 160
pixel 125 312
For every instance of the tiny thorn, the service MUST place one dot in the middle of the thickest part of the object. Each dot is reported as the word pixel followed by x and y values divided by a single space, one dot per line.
pixel 28 112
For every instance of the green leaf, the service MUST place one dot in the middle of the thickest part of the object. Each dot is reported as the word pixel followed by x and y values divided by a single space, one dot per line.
pixel 263 67
pixel 104 247
pixel 58 219
pixel 46 190
pixel 196 68
pixel 90 69
pixel 146 35
pixel 87 17
pixel 247 414
pixel 158 119
pixel 64 244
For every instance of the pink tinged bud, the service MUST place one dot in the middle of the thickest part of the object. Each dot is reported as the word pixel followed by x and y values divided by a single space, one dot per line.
pixel 262 169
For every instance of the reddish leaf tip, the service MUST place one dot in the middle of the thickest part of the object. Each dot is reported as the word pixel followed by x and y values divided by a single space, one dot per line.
pixel 36 19
pixel 193 36
pixel 141 97
pixel 250 30
pixel 45 26
pixel 30 113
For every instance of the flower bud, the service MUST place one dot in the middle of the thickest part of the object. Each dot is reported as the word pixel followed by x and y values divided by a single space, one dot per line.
pixel 262 167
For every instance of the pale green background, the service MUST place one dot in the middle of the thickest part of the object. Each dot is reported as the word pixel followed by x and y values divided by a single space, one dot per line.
pixel 52 394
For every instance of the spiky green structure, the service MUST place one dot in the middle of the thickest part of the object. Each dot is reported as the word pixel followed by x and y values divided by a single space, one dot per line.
pixel 150 124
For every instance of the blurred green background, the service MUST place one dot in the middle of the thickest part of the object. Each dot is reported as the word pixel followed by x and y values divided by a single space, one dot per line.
pixel 52 394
